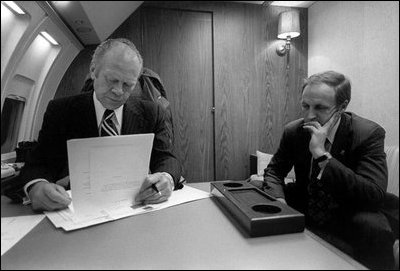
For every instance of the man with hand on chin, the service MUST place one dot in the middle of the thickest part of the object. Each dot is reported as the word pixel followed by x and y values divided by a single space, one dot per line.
pixel 340 166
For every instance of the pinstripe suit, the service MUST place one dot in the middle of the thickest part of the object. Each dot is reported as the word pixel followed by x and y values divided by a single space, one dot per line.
pixel 356 178
pixel 75 117
pixel 356 175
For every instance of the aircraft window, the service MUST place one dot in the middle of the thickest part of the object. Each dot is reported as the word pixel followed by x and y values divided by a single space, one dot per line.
pixel 11 117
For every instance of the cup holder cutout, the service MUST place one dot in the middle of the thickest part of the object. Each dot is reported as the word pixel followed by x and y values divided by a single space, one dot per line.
pixel 233 184
pixel 267 209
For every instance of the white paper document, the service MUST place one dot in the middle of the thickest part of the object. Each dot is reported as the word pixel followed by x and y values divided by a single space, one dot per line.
pixel 105 172
pixel 14 228
pixel 105 175
pixel 66 218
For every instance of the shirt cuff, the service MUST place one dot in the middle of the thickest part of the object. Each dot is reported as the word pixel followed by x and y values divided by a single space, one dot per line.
pixel 171 180
pixel 26 199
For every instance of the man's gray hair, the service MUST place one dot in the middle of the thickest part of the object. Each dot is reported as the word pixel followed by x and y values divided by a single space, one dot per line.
pixel 106 45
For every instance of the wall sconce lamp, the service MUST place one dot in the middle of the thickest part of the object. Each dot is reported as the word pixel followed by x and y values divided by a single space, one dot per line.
pixel 288 28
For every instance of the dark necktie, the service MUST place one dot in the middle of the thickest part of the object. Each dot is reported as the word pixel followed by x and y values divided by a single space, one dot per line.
pixel 320 202
pixel 108 127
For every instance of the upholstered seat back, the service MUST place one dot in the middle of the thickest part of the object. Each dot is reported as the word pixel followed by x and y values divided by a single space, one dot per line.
pixel 392 158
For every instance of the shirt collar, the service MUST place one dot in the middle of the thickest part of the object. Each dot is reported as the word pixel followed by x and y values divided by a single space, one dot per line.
pixel 99 108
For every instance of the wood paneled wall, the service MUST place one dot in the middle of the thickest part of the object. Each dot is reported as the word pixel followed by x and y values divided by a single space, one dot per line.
pixel 178 46
pixel 254 93
pixel 74 78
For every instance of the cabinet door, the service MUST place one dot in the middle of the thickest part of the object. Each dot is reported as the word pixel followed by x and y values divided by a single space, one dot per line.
pixel 177 44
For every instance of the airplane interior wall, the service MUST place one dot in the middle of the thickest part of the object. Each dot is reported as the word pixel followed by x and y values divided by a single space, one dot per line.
pixel 222 55
pixel 360 39
pixel 31 68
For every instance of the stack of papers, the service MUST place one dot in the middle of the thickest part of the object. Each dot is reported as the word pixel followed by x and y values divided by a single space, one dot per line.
pixel 107 171
pixel 67 219
pixel 105 175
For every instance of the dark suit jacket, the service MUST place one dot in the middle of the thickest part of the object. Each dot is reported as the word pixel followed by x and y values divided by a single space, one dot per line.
pixel 356 176
pixel 75 117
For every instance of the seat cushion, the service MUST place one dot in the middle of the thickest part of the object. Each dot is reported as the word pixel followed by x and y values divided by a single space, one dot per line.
pixel 263 160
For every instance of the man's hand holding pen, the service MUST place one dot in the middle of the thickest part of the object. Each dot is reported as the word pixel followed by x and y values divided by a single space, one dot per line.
pixel 155 188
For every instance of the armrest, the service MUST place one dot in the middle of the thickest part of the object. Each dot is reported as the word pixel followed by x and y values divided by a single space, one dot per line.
pixel 8 188
pixel 391 211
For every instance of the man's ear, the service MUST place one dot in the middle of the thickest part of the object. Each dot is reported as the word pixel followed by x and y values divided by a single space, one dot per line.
pixel 343 106
pixel 92 72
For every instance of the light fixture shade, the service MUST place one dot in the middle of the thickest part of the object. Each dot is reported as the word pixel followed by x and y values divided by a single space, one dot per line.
pixel 289 24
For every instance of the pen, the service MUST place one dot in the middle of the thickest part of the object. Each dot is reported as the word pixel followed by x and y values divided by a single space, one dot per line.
pixel 155 188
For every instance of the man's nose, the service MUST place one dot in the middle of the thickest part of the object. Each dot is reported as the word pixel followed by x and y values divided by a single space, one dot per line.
pixel 117 89
pixel 310 115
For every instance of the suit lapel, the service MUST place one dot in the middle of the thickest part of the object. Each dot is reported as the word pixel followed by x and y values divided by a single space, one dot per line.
pixel 132 119
pixel 343 138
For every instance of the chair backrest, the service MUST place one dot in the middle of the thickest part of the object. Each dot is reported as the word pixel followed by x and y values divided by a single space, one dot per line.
pixel 392 158
pixel 152 88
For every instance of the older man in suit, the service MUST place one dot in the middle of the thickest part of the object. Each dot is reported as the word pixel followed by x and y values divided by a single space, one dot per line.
pixel 108 110
pixel 340 167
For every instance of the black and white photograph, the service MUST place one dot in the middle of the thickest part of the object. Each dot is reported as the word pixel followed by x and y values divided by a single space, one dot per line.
pixel 200 135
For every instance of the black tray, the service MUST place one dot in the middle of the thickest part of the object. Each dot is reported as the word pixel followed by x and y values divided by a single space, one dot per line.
pixel 259 213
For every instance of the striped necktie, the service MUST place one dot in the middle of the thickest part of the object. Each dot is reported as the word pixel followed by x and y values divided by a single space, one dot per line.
pixel 314 169
pixel 321 204
pixel 108 127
